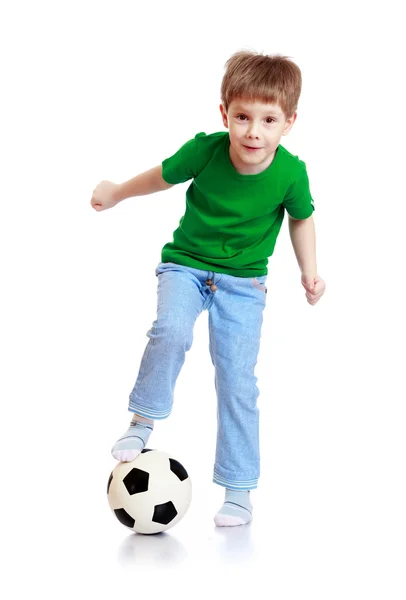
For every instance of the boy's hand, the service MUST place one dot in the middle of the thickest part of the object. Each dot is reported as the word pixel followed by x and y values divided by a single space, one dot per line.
pixel 314 286
pixel 105 195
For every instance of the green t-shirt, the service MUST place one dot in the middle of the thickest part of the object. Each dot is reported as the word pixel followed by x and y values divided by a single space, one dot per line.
pixel 232 220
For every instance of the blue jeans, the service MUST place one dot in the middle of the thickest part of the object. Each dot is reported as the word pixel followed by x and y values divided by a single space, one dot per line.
pixel 235 306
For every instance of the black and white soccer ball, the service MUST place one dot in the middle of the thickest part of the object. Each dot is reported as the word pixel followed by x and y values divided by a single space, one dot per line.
pixel 151 493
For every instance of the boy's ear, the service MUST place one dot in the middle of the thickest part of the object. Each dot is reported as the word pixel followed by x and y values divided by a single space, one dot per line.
pixel 289 124
pixel 224 116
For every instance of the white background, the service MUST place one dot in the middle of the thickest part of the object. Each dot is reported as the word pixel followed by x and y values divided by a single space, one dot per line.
pixel 106 90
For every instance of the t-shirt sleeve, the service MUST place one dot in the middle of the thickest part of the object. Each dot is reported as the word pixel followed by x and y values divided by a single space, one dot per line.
pixel 183 165
pixel 298 200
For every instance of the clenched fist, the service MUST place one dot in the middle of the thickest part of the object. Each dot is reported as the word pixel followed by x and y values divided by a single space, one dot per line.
pixel 315 287
pixel 105 195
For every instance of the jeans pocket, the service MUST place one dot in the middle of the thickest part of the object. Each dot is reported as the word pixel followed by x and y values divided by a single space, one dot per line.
pixel 259 283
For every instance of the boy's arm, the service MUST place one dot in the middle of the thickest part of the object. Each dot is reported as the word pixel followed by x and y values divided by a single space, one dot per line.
pixel 148 182
pixel 303 237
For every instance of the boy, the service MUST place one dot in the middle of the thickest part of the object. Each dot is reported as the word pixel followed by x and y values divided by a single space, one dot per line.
pixel 242 182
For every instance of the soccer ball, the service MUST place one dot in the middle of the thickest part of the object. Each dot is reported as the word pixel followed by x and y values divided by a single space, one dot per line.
pixel 151 493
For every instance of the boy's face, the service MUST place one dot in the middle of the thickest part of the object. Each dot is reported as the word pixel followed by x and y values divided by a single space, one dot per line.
pixel 254 124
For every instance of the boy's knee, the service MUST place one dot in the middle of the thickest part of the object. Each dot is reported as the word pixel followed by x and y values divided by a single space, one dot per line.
pixel 172 333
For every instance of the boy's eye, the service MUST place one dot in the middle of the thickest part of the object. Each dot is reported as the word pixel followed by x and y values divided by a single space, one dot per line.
pixel 269 120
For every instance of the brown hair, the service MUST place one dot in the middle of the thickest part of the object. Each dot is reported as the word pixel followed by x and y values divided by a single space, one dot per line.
pixel 268 78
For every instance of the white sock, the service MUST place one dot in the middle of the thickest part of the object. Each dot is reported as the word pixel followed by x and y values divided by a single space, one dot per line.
pixel 134 440
pixel 236 510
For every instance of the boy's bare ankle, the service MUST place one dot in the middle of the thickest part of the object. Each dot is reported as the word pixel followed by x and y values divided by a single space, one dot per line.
pixel 140 419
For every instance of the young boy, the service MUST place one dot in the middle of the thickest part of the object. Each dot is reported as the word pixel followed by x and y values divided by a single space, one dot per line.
pixel 242 182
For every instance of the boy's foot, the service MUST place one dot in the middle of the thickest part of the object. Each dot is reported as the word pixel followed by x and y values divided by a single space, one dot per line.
pixel 236 510
pixel 133 441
